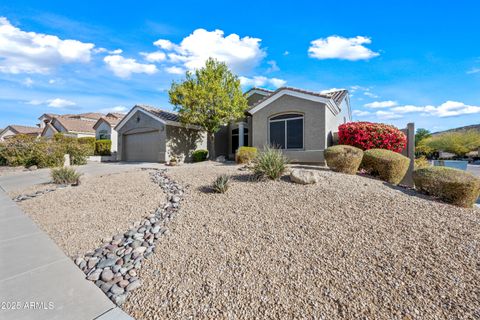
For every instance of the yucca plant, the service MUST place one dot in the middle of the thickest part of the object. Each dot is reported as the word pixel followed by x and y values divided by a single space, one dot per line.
pixel 270 163
pixel 65 175
pixel 221 183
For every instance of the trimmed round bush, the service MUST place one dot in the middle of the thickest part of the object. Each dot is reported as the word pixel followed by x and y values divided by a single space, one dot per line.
pixel 385 164
pixel 89 145
pixel 199 155
pixel 369 135
pixel 343 158
pixel 450 185
pixel 245 154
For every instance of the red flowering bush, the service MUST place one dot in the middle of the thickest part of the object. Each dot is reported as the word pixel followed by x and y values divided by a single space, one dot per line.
pixel 368 135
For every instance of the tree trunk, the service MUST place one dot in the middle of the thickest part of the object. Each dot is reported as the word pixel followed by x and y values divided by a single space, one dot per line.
pixel 211 145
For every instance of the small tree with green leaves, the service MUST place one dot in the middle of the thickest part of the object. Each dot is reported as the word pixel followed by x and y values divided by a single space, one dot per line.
pixel 421 134
pixel 209 98
pixel 459 143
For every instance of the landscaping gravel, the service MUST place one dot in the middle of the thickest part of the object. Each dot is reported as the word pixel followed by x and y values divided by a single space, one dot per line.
pixel 79 218
pixel 346 247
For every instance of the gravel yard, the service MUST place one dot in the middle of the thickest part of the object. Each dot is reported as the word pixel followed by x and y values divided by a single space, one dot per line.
pixel 78 218
pixel 347 247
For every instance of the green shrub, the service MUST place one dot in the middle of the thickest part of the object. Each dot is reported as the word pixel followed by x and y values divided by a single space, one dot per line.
pixel 422 162
pixel 270 163
pixel 451 185
pixel 18 150
pixel 385 164
pixel 47 153
pixel 65 175
pixel 199 155
pixel 245 154
pixel 344 158
pixel 221 183
pixel 103 147
pixel 89 144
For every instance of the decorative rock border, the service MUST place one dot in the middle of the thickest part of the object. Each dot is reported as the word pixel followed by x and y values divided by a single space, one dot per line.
pixel 113 267
pixel 23 197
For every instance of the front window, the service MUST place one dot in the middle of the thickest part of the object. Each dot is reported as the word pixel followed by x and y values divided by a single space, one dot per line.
pixel 286 131
pixel 103 135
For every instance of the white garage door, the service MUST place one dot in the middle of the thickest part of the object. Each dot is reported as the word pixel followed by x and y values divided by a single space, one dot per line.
pixel 143 146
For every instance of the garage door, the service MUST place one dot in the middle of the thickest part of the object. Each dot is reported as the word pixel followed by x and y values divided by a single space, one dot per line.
pixel 143 146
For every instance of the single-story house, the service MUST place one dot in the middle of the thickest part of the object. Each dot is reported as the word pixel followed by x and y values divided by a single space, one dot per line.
pixel 72 125
pixel 299 122
pixel 13 130
pixel 154 135
pixel 105 128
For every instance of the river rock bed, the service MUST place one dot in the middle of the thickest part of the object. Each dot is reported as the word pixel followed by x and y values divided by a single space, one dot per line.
pixel 113 267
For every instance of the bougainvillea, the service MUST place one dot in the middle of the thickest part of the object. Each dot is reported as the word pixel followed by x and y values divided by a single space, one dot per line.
pixel 368 135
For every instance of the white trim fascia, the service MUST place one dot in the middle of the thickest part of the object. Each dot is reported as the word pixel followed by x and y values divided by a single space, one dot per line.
pixel 253 91
pixel 328 102
pixel 165 122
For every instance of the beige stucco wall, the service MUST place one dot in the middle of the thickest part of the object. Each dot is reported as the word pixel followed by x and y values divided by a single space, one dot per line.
pixel 6 133
pixel 112 132
pixel 49 133
pixel 333 121
pixel 145 123
pixel 181 142
pixel 314 127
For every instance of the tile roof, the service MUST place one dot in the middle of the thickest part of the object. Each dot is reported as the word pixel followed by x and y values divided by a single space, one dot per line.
pixel 162 114
pixel 112 121
pixel 19 129
pixel 259 89
pixel 115 115
pixel 336 96
pixel 77 125
pixel 89 115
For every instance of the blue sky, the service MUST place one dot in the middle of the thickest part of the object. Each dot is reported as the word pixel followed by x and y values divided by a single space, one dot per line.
pixel 405 62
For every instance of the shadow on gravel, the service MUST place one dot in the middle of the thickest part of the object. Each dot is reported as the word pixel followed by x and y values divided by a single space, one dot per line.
pixel 206 189
pixel 307 167
pixel 412 192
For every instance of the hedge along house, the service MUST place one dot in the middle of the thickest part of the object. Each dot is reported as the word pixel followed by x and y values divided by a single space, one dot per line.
pixel 153 135
pixel 105 129
pixel 299 122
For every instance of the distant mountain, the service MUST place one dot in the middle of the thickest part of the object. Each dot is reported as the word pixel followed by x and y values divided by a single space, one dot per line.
pixel 460 129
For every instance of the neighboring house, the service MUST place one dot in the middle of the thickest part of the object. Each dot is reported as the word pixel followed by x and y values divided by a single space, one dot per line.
pixel 299 122
pixel 13 130
pixel 105 128
pixel 72 125
pixel 154 135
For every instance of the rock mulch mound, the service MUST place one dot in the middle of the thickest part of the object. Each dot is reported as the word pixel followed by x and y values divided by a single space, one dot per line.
pixel 114 266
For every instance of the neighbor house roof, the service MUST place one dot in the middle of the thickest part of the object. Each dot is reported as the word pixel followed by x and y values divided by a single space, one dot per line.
pixel 336 96
pixel 19 129
pixel 115 115
pixel 112 121
pixel 48 125
pixel 75 125
pixel 261 91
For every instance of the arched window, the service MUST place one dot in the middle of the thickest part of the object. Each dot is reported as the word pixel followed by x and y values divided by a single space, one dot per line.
pixel 286 131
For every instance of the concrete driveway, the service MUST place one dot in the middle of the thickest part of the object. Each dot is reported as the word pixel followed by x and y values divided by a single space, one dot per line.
pixel 20 180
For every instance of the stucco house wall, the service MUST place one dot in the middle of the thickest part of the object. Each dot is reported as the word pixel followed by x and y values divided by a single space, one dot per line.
pixel 181 142
pixel 6 133
pixel 142 122
pixel 314 142
pixel 333 121
pixel 104 126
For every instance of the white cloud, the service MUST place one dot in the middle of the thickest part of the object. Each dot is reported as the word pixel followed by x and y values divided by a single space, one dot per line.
pixel 116 51
pixel 31 52
pixel 446 109
pixel 240 54
pixel 261 81
pixel 156 56
pixel 381 104
pixel 52 81
pixel 473 70
pixel 123 67
pixel 54 103
pixel 175 70
pixel 286 53
pixel 336 47
pixel 119 109
pixel 60 103
pixel 273 66
pixel 387 115
pixel 360 113
pixel 370 95
pixel 28 82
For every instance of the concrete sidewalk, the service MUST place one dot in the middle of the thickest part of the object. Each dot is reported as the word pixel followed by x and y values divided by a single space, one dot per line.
pixel 37 280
